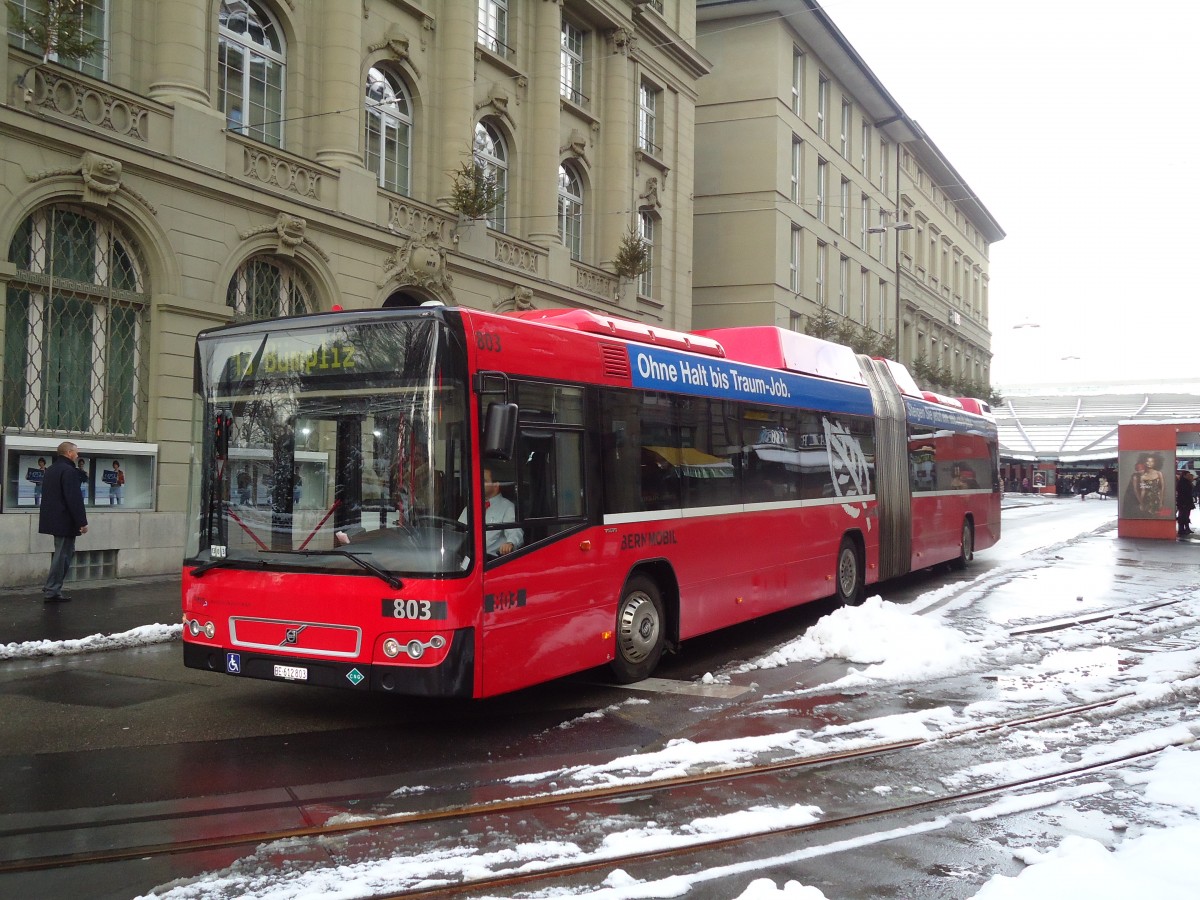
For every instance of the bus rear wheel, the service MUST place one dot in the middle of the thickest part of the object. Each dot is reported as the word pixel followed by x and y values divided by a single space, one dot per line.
pixel 966 551
pixel 641 629
pixel 849 576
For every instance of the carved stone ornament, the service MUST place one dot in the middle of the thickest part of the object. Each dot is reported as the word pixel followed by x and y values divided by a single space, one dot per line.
pixel 290 234
pixel 576 146
pixel 497 100
pixel 623 40
pixel 397 43
pixel 421 263
pixel 101 176
pixel 650 196
pixel 520 299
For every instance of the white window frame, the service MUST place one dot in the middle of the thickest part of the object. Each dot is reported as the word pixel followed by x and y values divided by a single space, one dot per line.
pixel 648 232
pixel 822 259
pixel 794 260
pixel 390 112
pixel 491 152
pixel 93 19
pixel 844 209
pixel 570 210
pixel 822 186
pixel 649 97
pixel 492 26
pixel 572 71
pixel 797 168
pixel 864 295
pixel 847 118
pixel 823 107
pixel 254 55
pixel 798 81
pixel 844 285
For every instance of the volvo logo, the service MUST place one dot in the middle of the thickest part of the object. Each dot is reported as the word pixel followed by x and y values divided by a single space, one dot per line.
pixel 292 635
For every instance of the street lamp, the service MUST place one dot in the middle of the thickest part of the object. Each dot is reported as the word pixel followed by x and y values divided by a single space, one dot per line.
pixel 896 227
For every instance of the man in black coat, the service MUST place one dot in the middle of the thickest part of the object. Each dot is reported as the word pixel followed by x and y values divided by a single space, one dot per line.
pixel 62 514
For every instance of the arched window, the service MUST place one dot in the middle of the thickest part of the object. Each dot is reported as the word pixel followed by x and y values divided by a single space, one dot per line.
pixel 250 71
pixel 570 210
pixel 266 288
pixel 91 17
pixel 76 321
pixel 647 231
pixel 389 132
pixel 492 156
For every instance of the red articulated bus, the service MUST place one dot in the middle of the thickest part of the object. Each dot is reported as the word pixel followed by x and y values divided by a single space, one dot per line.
pixel 448 502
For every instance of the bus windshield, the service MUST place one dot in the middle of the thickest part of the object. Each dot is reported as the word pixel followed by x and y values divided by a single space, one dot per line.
pixel 336 447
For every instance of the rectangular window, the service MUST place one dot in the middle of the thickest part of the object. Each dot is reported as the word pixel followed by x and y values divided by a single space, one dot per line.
pixel 648 102
pixel 883 165
pixel 864 296
pixel 822 179
pixel 864 235
pixel 798 82
pixel 822 255
pixel 844 209
pixel 865 158
pixel 572 64
pixel 88 17
pixel 493 26
pixel 883 293
pixel 794 261
pixel 823 107
pixel 844 286
pixel 884 236
pixel 797 163
pixel 846 121
pixel 648 232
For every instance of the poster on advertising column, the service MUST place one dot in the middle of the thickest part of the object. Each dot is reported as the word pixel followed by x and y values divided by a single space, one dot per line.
pixel 1147 484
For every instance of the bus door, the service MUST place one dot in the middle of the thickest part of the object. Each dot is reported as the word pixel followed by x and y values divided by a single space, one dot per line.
pixel 543 608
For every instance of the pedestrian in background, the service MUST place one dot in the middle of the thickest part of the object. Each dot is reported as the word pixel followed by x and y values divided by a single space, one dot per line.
pixel 1185 501
pixel 62 515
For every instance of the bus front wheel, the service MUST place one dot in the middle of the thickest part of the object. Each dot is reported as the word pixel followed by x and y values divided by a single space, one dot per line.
pixel 641 628
pixel 849 576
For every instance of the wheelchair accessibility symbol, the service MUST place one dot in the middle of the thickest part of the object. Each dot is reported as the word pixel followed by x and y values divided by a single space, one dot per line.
pixel 233 663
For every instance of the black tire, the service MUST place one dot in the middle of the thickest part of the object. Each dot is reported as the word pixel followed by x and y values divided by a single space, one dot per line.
pixel 640 633
pixel 849 577
pixel 966 549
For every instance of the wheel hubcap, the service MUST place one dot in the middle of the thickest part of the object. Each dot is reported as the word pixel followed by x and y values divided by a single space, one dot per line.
pixel 638 627
pixel 847 572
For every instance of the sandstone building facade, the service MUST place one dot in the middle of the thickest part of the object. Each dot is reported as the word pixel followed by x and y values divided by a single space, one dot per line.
pixel 231 159
pixel 805 166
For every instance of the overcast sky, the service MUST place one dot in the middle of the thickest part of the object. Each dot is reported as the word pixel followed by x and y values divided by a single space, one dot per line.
pixel 1076 124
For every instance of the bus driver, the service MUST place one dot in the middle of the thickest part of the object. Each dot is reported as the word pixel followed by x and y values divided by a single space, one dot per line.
pixel 498 509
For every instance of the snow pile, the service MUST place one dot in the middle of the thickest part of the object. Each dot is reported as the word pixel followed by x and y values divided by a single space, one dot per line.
pixel 141 636
pixel 895 644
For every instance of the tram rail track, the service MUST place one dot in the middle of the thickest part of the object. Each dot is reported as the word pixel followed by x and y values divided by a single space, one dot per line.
pixel 567 870
pixel 515 804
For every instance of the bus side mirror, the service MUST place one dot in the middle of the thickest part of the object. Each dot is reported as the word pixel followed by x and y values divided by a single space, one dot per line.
pixel 500 431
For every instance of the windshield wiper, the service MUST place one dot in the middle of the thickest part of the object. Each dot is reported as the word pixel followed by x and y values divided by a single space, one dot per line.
pixel 392 581
pixel 208 566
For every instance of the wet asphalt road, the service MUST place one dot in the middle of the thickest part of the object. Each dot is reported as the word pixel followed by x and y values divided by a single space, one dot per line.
pixel 106 733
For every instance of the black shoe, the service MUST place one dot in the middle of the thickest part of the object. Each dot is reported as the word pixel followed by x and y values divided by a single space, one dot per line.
pixel 57 598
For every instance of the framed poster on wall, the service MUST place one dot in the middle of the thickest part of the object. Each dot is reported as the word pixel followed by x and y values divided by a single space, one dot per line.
pixel 114 475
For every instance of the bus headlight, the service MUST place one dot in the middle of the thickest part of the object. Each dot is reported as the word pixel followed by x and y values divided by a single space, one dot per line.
pixel 391 648
pixel 210 630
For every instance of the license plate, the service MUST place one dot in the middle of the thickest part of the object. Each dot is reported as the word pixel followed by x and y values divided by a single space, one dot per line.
pixel 292 673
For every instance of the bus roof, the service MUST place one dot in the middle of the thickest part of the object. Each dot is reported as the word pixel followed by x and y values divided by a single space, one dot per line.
pixel 625 329
pixel 778 348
